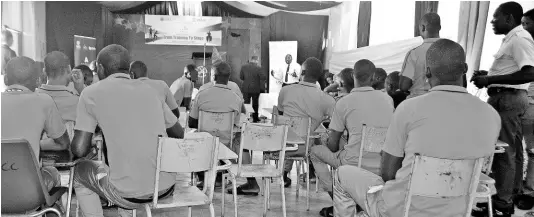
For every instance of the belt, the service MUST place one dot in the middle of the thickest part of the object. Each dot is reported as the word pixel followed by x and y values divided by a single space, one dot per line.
pixel 495 90
pixel 148 200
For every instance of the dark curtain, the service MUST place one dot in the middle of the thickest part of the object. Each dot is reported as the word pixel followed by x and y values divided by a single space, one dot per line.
pixel 364 24
pixel 219 8
pixel 421 8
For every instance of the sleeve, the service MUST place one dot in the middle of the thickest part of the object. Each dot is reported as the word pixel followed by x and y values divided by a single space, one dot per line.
pixel 194 108
pixel 85 118
pixel 54 126
pixel 523 52
pixel 397 132
pixel 338 118
pixel 281 100
pixel 408 67
pixel 242 74
pixel 170 118
pixel 329 105
pixel 169 98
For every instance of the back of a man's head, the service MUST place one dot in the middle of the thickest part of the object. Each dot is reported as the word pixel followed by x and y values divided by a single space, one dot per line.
pixel 312 69
pixel 56 64
pixel 87 73
pixel 379 78
pixel 514 9
pixel 138 69
pixel 432 23
pixel 114 58
pixel 222 72
pixel 22 71
pixel 445 60
pixel 363 72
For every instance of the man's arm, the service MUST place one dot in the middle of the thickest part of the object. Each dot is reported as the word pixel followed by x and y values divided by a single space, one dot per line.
pixel 242 74
pixel 192 122
pixel 85 126
pixel 525 75
pixel 169 99
pixel 194 113
pixel 174 129
pixel 81 143
pixel 333 140
pixel 407 72
pixel 55 129
pixel 389 166
pixel 331 88
pixel 58 144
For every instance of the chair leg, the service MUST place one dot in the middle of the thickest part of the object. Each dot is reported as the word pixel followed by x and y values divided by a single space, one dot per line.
pixel 283 196
pixel 490 207
pixel 298 162
pixel 147 209
pixel 234 185
pixel 223 193
pixel 190 213
pixel 265 197
pixel 212 210
pixel 69 196
pixel 134 213
pixel 308 187
pixel 269 193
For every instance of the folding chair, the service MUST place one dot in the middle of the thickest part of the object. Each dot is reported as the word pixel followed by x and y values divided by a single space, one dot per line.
pixel 220 124
pixel 186 156
pixel 427 171
pixel 302 127
pixel 23 190
pixel 373 139
pixel 259 137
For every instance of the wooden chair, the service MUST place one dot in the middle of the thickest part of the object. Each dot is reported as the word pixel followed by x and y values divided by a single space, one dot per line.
pixel 462 181
pixel 23 190
pixel 186 156
pixel 219 124
pixel 259 137
pixel 302 127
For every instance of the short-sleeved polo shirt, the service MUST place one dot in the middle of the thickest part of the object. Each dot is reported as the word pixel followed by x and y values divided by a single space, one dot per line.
pixel 448 123
pixel 181 88
pixel 516 51
pixel 163 91
pixel 306 100
pixel 232 85
pixel 364 105
pixel 26 114
pixel 66 100
pixel 414 67
pixel 217 98
pixel 131 116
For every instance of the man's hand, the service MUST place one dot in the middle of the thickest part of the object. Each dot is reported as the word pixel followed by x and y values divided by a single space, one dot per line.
pixel 480 81
pixel 294 74
pixel 77 76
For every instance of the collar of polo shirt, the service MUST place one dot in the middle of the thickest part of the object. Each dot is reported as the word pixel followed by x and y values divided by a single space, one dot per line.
pixel 18 87
pixel 430 40
pixel 57 88
pixel 362 89
pixel 512 33
pixel 449 88
pixel 307 84
pixel 143 78
pixel 221 86
pixel 119 75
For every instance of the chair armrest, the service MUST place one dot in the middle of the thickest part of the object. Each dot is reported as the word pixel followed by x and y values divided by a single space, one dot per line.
pixel 374 189
pixel 225 166
pixel 292 147
pixel 54 195
pixel 486 180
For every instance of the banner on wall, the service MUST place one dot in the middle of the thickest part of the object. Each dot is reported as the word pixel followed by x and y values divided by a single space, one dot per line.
pixel 283 66
pixel 84 50
pixel 183 30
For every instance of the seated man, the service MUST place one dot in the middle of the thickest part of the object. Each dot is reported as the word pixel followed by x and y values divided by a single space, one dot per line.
pixel 304 99
pixel 139 71
pixel 57 69
pixel 26 114
pixel 447 122
pixel 132 117
pixel 182 89
pixel 392 88
pixel 87 74
pixel 364 105
pixel 379 79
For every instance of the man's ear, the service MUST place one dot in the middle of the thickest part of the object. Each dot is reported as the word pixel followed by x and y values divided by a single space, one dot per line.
pixel 466 67
pixel 428 74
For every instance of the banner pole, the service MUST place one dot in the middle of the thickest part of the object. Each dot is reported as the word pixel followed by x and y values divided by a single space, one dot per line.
pixel 204 63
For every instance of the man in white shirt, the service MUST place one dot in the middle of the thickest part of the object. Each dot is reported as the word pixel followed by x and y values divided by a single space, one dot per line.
pixel 289 74
pixel 182 89
pixel 447 122
pixel 507 81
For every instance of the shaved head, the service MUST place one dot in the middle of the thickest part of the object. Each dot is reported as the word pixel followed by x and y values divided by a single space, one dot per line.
pixel 56 64
pixel 363 72
pixel 379 78
pixel 138 69
pixel 312 69
pixel 445 61
pixel 222 72
pixel 22 71
pixel 113 59
pixel 431 24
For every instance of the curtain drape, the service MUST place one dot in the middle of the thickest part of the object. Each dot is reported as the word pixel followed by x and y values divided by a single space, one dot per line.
pixel 421 8
pixel 471 30
pixel 188 8
pixel 342 29
pixel 364 23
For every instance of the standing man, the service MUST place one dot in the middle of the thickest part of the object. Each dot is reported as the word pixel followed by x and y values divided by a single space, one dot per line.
pixel 414 68
pixel 289 74
pixel 182 89
pixel 7 52
pixel 253 84
pixel 507 81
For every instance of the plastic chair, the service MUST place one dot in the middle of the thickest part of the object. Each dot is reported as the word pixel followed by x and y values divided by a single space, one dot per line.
pixel 219 124
pixel 259 137
pixel 373 139
pixel 302 127
pixel 186 156
pixel 23 190
pixel 427 170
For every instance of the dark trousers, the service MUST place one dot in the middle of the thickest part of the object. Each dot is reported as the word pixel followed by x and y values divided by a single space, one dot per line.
pixel 511 104
pixel 255 104
pixel 186 103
